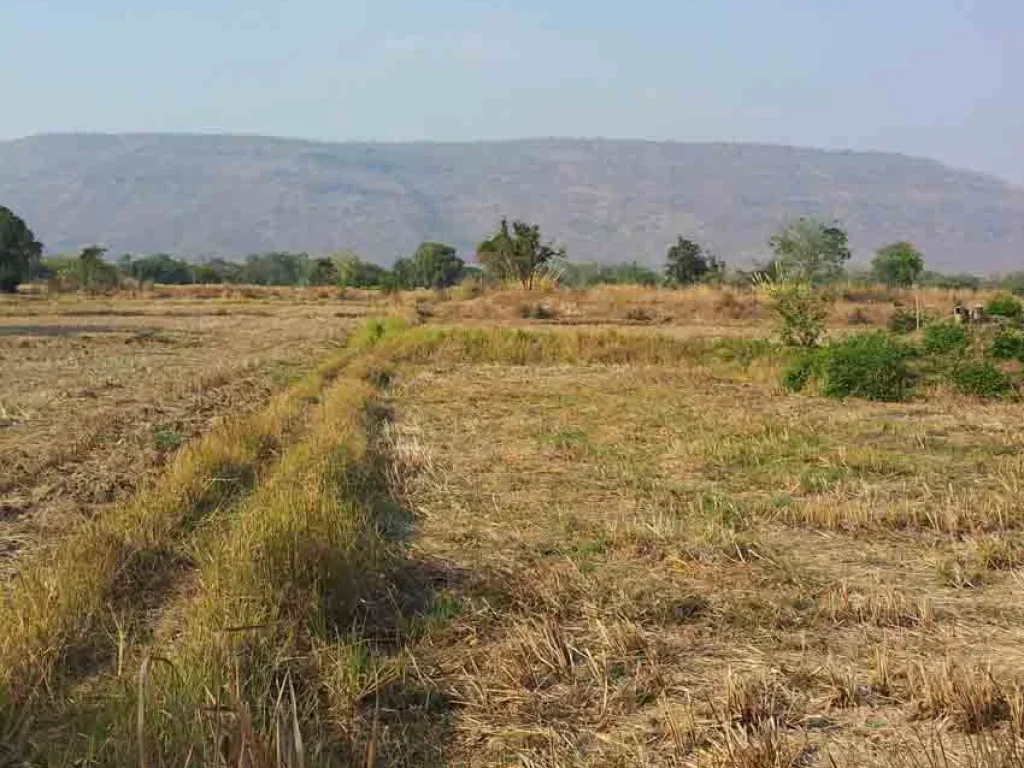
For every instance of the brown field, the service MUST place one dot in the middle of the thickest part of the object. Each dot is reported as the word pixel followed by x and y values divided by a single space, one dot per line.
pixel 473 536
pixel 95 393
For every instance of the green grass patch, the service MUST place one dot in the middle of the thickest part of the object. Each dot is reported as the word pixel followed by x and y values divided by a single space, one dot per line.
pixel 871 365
pixel 946 338
pixel 981 378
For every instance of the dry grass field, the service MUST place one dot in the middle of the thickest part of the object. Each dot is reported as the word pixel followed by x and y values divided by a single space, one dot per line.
pixel 96 393
pixel 471 536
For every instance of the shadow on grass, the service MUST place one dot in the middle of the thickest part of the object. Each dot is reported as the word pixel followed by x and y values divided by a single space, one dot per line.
pixel 407 721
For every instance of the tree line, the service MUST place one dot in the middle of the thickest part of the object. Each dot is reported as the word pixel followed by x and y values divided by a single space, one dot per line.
pixel 807 249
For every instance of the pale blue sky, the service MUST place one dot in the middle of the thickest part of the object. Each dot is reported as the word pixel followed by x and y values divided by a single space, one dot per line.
pixel 941 78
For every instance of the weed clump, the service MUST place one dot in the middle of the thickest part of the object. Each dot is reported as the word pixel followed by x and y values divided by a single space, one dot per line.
pixel 1007 345
pixel 946 338
pixel 870 365
pixel 902 321
pixel 1006 306
pixel 981 379
pixel 801 370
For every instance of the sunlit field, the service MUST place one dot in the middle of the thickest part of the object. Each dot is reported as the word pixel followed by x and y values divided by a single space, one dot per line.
pixel 297 527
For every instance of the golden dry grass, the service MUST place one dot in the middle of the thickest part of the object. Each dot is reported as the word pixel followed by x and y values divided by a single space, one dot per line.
pixel 97 394
pixel 544 547
pixel 704 310
pixel 637 546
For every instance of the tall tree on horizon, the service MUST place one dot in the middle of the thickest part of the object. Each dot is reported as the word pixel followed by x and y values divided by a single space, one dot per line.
pixel 689 262
pixel 19 250
pixel 897 264
pixel 517 253
pixel 810 250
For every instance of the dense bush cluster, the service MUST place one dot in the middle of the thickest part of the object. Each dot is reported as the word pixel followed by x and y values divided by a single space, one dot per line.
pixel 884 366
pixel 946 338
pixel 869 365
pixel 1008 344
pixel 1005 306
pixel 981 378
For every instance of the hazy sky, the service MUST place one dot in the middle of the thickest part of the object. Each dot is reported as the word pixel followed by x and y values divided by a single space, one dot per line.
pixel 942 78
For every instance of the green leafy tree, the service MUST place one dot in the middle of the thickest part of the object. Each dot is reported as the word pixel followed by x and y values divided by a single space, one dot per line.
pixel 353 272
pixel 516 253
pixel 92 272
pixel 435 265
pixel 277 268
pixel 159 268
pixel 19 251
pixel 688 262
pixel 206 274
pixel 898 264
pixel 216 271
pixel 809 250
pixel 579 274
pixel 323 272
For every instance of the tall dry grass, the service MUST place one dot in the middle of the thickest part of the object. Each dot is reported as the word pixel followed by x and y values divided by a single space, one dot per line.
pixel 64 591
pixel 237 665
pixel 270 580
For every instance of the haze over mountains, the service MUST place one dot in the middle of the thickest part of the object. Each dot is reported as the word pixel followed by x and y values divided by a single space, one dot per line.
pixel 604 200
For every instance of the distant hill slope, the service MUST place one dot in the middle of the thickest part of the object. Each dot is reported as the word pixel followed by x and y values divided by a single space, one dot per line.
pixel 605 200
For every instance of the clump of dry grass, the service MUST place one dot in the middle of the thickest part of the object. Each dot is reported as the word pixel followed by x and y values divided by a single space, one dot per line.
pixel 956 511
pixel 969 696
pixel 765 745
pixel 611 347
pixel 884 607
pixel 755 699
pixel 699 303
pixel 936 747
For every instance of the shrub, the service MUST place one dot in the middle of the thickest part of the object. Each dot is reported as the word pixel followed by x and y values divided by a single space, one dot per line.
pixel 982 379
pixel 801 311
pixel 1005 305
pixel 946 337
pixel 469 288
pixel 800 371
pixel 1007 345
pixel 869 365
pixel 902 321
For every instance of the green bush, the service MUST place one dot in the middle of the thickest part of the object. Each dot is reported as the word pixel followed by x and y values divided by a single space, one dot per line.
pixel 869 365
pixel 982 379
pixel 1007 345
pixel 1005 305
pixel 801 310
pixel 800 371
pixel 945 338
pixel 903 321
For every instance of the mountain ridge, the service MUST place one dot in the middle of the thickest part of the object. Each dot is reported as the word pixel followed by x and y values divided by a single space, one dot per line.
pixel 605 199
